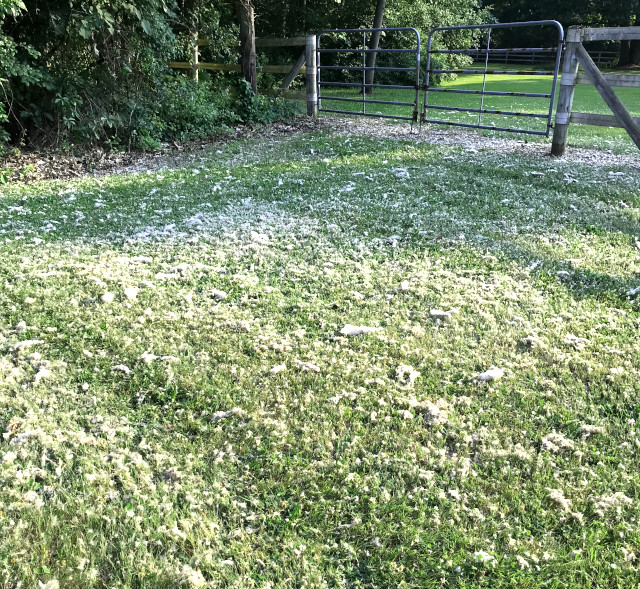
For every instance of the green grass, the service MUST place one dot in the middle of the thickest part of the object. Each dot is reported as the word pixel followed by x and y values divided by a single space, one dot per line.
pixel 206 469
pixel 586 99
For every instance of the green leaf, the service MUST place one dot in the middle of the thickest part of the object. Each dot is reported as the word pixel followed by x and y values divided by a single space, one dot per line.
pixel 146 25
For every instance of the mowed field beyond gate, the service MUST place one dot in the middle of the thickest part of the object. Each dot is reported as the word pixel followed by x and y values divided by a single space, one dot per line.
pixel 586 100
pixel 324 359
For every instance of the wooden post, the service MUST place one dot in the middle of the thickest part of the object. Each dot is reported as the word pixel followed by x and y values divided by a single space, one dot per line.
pixel 293 72
pixel 311 77
pixel 608 95
pixel 567 88
pixel 196 58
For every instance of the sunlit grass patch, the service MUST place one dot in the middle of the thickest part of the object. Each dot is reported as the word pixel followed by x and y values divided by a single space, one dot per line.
pixel 183 406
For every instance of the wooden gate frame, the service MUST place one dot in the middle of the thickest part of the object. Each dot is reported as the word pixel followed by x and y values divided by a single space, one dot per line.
pixel 575 56
pixel 306 64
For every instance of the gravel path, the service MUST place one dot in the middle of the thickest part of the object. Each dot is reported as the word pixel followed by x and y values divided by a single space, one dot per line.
pixel 475 141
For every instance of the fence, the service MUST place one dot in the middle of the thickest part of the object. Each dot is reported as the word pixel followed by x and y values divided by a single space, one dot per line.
pixel 576 56
pixel 540 56
pixel 305 65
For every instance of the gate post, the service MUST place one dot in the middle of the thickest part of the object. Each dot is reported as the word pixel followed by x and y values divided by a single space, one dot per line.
pixel 567 89
pixel 311 77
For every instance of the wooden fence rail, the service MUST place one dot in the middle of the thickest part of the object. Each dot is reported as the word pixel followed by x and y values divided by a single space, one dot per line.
pixel 540 56
pixel 305 65
pixel 575 56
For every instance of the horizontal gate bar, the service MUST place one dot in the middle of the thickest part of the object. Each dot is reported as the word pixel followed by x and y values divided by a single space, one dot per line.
pixel 500 72
pixel 491 93
pixel 353 85
pixel 359 100
pixel 506 25
pixel 360 68
pixel 489 111
pixel 488 127
pixel 366 114
pixel 483 51
pixel 367 51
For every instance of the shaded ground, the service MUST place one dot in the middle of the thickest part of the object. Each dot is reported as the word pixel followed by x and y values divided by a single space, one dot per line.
pixel 30 167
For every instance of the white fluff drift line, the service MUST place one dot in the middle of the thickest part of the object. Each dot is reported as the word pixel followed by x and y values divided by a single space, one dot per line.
pixel 353 330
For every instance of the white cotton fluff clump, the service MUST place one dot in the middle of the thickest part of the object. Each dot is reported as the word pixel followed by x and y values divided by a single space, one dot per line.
pixel 130 292
pixel 407 375
pixel 589 430
pixel 192 578
pixel 577 342
pixel 142 260
pixel 43 373
pixel 107 297
pixel 352 330
pixel 608 502
pixel 224 414
pixel 633 292
pixel 401 173
pixel 307 366
pixel 21 326
pixel 555 442
pixel 218 295
pixel 434 412
pixel 170 359
pixel 277 369
pixel 484 557
pixel 439 315
pixel 9 457
pixel 27 344
pixel 532 341
pixel 556 496
pixel 490 375
pixel 121 368
pixel 148 358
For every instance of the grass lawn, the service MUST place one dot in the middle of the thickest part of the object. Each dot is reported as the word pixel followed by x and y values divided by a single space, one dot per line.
pixel 586 99
pixel 183 407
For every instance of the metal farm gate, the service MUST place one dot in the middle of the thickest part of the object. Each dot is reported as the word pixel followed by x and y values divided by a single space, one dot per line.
pixel 347 74
pixel 359 78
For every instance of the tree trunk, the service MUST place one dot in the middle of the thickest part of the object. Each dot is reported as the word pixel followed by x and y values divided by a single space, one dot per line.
pixel 634 50
pixel 374 44
pixel 634 46
pixel 248 57
pixel 630 50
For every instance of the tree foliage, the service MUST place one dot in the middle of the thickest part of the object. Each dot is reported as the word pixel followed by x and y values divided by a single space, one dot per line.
pixel 76 71
pixel 589 13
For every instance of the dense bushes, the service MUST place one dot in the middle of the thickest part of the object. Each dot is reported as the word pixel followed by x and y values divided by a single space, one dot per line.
pixel 95 73
pixel 79 72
